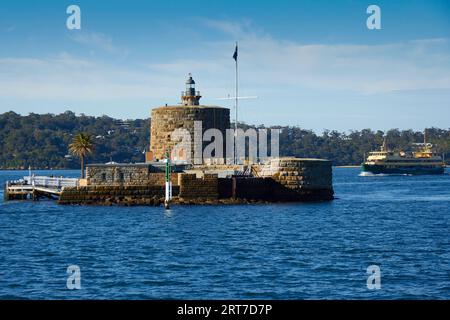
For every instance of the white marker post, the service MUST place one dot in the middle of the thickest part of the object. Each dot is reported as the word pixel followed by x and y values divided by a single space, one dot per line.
pixel 168 193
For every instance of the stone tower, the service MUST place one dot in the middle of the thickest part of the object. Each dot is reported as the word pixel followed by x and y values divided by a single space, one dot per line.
pixel 165 120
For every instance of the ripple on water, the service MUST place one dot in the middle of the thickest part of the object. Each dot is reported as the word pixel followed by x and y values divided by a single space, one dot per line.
pixel 278 251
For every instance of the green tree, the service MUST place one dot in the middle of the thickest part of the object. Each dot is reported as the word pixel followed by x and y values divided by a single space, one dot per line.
pixel 82 146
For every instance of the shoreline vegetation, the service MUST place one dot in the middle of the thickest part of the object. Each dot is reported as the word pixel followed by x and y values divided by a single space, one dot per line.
pixel 41 141
pixel 75 169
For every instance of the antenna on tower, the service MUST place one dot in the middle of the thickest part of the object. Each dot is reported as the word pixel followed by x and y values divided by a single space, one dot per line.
pixel 236 98
pixel 239 98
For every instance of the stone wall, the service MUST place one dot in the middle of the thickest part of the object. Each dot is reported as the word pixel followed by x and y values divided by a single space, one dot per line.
pixel 297 173
pixel 249 188
pixel 125 174
pixel 119 195
pixel 302 179
pixel 269 190
pixel 165 120
pixel 283 179
pixel 192 187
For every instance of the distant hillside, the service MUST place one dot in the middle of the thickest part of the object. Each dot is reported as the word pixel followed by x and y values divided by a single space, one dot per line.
pixel 42 140
pixel 349 149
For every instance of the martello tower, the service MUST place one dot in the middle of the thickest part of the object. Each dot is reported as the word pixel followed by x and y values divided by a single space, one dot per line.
pixel 165 120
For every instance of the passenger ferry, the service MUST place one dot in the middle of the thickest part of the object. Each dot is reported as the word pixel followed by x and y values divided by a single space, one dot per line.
pixel 421 161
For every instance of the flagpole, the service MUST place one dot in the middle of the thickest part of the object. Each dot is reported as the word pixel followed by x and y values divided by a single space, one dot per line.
pixel 236 110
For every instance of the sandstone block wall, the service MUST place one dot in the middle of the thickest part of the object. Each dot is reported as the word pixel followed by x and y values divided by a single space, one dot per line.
pixel 254 188
pixel 283 179
pixel 298 173
pixel 121 195
pixel 165 120
pixel 302 179
pixel 192 187
pixel 110 175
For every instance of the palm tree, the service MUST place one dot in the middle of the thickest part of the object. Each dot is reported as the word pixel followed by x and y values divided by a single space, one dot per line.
pixel 82 146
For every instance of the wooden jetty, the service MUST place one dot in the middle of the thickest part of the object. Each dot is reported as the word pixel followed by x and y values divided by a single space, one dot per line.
pixel 36 187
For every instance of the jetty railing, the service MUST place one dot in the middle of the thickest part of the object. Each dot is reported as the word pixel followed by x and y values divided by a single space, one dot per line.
pixel 35 187
pixel 51 182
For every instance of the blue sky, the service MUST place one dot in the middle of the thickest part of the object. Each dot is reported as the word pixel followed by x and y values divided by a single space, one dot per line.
pixel 311 63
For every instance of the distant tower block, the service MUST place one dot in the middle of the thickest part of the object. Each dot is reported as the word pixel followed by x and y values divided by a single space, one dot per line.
pixel 165 120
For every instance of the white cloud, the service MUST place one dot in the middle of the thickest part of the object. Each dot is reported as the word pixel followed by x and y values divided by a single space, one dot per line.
pixel 236 29
pixel 267 66
pixel 95 40
pixel 365 69
pixel 10 28
pixel 68 77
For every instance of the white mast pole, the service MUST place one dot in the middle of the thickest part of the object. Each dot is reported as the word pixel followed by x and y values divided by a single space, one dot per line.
pixel 236 108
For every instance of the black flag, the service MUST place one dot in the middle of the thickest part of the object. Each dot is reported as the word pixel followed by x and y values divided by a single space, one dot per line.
pixel 235 53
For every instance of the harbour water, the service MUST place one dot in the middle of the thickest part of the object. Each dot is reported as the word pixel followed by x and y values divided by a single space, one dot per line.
pixel 276 251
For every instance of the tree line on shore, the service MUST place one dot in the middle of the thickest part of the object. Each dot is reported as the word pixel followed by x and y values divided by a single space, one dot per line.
pixel 42 140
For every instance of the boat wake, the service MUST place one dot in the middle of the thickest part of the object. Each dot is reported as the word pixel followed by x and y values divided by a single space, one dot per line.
pixel 370 174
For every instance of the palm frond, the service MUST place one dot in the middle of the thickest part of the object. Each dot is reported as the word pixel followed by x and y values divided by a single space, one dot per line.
pixel 81 145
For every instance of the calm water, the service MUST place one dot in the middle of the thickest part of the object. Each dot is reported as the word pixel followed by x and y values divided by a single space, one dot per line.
pixel 282 251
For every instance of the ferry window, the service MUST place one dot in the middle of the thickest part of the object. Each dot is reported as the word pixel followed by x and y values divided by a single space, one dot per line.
pixel 121 176
pixel 103 176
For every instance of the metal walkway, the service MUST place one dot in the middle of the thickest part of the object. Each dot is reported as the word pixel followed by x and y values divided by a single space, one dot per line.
pixel 35 187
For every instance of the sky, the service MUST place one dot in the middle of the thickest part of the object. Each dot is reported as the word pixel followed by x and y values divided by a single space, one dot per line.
pixel 311 63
